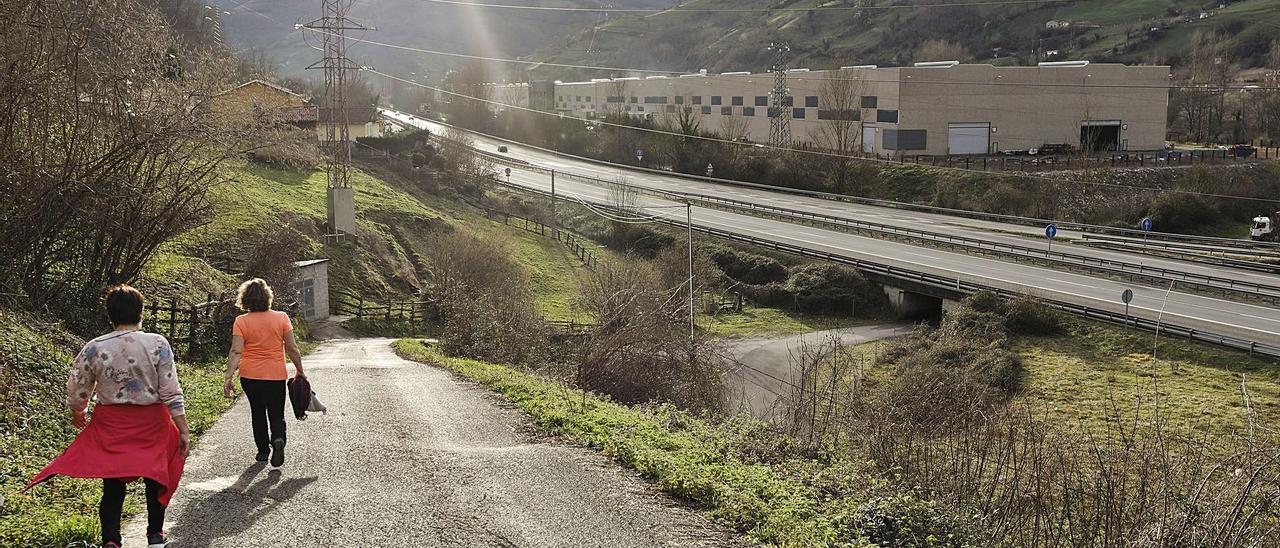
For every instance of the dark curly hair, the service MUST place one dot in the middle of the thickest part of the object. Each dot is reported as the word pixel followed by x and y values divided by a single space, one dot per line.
pixel 124 305
pixel 254 296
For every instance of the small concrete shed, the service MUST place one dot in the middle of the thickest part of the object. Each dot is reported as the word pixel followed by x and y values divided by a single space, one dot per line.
pixel 313 288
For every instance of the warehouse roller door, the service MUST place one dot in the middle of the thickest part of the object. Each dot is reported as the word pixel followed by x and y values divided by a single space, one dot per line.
pixel 969 138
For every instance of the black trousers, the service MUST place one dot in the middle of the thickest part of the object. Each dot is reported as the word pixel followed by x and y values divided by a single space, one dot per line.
pixel 266 406
pixel 112 504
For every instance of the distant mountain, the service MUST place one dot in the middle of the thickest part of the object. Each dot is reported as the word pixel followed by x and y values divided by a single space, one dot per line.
pixel 891 32
pixel 268 25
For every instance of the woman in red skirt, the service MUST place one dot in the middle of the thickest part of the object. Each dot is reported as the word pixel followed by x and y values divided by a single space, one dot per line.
pixel 138 429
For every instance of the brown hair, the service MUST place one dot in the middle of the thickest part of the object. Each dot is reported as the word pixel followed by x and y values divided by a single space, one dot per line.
pixel 124 305
pixel 254 296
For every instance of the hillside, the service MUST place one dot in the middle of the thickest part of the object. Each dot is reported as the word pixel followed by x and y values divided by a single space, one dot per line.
pixel 268 25
pixel 1130 31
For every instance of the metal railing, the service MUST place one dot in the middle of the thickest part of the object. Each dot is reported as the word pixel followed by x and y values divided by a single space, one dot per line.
pixel 965 287
pixel 1000 217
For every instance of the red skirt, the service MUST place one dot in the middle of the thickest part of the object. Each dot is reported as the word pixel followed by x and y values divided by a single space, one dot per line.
pixel 124 442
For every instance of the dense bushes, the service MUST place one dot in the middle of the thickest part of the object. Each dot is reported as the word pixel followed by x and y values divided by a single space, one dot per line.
pixel 748 268
pixel 485 301
pixel 965 366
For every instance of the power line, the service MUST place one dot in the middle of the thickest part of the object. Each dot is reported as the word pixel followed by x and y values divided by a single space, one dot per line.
pixel 747 10
pixel 1021 176
pixel 1216 88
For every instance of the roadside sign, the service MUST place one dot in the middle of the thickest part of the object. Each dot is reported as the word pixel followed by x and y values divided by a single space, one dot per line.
pixel 1147 224
pixel 710 169
pixel 1049 232
pixel 639 154
pixel 1127 297
pixel 508 172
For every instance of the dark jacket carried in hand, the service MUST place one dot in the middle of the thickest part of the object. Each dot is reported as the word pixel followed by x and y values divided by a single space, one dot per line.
pixel 303 399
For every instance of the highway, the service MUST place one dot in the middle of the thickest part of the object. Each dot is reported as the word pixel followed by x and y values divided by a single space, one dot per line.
pixel 1260 324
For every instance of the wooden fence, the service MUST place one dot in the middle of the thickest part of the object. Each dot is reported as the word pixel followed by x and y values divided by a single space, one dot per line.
pixel 350 303
pixel 185 326
pixel 575 244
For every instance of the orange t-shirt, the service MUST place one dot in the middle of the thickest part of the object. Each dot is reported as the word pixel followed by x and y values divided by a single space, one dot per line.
pixel 263 334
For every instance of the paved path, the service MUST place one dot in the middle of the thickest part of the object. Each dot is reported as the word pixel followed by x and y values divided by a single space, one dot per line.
pixel 409 455
pixel 763 365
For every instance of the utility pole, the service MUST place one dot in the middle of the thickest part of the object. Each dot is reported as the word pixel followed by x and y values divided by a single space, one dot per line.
pixel 332 25
pixel 555 225
pixel 780 122
pixel 688 216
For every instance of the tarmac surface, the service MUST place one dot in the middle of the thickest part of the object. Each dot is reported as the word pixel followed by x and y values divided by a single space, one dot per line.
pixel 410 455
pixel 760 369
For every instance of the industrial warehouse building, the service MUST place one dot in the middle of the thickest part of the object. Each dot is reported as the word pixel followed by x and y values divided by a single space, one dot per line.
pixel 932 108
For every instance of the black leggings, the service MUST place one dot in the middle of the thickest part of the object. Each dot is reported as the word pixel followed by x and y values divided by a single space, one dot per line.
pixel 112 504
pixel 266 406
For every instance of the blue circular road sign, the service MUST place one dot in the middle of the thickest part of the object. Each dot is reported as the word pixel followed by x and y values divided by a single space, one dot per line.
pixel 1147 224
pixel 1050 231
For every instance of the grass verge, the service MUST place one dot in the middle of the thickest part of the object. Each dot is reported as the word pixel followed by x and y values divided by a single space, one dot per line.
pixel 743 474
pixel 33 368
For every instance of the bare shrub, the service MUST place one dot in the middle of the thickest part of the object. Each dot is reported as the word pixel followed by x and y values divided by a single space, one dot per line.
pixel 485 300
pixel 1020 474
pixel 641 350
pixel 103 157
pixel 287 147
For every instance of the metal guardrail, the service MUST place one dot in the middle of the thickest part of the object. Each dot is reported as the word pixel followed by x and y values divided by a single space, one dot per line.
pixel 1183 246
pixel 1013 219
pixel 966 287
pixel 1109 266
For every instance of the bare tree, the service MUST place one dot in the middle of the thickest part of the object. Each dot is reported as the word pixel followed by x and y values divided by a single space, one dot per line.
pixel 939 49
pixel 104 157
pixel 469 93
pixel 1200 105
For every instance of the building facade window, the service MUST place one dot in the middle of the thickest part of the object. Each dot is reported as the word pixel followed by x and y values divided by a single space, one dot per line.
pixel 615 99
pixel 762 100
pixel 870 101
pixel 679 99
pixel 789 101
pixel 639 109
pixel 655 100
pixel 905 139
pixel 748 111
pixel 706 110
pixel 737 101
pixel 716 100
pixel 811 101
pixel 726 111
pixel 797 113
pixel 633 99
pixel 848 115
pixel 887 116
pixel 697 99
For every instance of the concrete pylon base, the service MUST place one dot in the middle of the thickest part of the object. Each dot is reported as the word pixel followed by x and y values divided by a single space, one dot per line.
pixel 341 204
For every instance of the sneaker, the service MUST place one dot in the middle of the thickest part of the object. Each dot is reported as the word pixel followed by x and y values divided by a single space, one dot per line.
pixel 157 540
pixel 262 455
pixel 277 453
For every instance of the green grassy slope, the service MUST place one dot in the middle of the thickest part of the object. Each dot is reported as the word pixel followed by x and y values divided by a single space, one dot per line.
pixel 1106 30
pixel 34 428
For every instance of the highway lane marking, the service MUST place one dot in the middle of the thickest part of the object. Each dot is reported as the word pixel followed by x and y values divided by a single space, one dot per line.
pixel 719 218
pixel 1061 291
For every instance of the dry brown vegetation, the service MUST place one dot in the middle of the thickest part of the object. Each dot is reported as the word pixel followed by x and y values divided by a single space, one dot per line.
pixel 943 427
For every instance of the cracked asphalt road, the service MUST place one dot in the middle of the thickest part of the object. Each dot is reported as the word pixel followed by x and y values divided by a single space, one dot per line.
pixel 410 455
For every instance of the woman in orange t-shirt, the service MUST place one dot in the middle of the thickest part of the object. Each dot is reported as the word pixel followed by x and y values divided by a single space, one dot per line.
pixel 260 339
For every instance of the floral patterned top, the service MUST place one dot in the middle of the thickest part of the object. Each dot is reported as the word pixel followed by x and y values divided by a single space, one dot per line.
pixel 125 367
